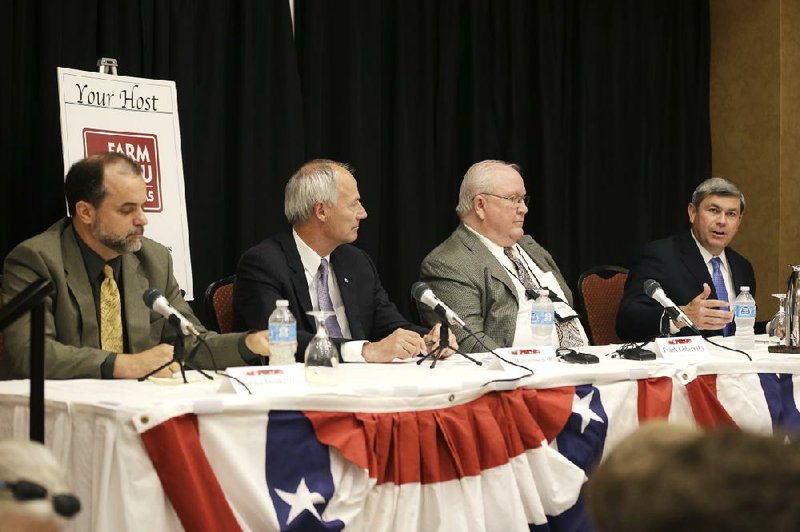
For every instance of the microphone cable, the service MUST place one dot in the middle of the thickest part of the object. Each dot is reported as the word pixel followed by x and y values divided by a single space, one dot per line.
pixel 633 346
pixel 728 348
pixel 529 371
pixel 215 370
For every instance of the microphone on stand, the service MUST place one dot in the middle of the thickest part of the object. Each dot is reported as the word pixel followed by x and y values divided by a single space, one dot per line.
pixel 156 301
pixel 653 289
pixel 422 292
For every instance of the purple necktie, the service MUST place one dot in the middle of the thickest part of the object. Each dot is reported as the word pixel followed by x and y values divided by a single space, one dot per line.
pixel 325 303
pixel 719 287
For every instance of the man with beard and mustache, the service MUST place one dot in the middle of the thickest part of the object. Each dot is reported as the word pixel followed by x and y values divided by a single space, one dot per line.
pixel 96 323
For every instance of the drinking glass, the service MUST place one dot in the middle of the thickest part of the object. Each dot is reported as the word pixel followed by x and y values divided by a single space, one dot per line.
pixel 322 357
pixel 776 328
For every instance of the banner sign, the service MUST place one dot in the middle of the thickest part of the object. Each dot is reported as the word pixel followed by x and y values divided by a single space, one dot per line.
pixel 137 117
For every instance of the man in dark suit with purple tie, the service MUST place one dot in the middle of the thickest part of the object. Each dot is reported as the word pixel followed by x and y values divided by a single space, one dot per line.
pixel 315 267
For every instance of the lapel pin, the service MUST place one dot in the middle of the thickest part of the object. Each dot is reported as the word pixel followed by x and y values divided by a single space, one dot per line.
pixel 346 280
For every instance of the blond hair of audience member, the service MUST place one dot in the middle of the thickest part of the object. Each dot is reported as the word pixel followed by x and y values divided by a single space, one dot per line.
pixel 667 478
pixel 32 462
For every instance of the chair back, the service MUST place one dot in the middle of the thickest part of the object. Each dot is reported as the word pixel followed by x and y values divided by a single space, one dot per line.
pixel 600 291
pixel 218 304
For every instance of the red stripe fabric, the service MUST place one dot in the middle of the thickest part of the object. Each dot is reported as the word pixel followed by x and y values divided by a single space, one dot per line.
pixel 449 443
pixel 655 398
pixel 707 410
pixel 188 480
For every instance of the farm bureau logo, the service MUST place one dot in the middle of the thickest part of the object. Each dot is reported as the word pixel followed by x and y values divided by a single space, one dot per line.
pixel 142 147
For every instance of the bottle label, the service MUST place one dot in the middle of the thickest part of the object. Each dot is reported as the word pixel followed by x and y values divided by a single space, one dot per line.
pixel 542 317
pixel 745 311
pixel 283 332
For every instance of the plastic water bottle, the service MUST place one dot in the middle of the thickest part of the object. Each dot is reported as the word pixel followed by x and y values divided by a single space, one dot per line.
pixel 542 319
pixel 745 317
pixel 282 334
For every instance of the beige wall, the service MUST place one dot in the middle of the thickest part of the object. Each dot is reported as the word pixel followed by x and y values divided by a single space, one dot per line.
pixel 755 131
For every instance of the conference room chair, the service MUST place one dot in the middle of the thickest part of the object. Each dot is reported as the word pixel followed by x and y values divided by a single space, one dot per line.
pixel 218 304
pixel 599 294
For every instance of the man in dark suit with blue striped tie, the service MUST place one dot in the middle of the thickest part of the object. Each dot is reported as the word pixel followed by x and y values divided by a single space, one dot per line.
pixel 696 268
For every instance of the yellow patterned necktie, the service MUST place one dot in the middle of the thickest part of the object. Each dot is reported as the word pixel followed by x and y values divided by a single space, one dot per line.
pixel 110 313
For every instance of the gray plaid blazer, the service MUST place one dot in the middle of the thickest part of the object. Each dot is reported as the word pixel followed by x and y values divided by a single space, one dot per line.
pixel 465 275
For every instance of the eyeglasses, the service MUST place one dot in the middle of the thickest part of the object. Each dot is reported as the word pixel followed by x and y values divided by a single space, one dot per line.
pixel 64 504
pixel 516 199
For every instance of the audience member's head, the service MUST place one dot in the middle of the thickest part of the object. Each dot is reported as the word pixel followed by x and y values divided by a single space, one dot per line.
pixel 666 478
pixel 33 489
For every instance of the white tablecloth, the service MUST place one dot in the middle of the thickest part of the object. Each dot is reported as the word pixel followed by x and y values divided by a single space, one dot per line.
pixel 94 426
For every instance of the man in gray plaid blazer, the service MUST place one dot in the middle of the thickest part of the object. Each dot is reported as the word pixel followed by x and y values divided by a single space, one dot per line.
pixel 488 269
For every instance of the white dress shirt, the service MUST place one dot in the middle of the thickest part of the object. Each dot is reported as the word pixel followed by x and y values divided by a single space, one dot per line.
pixel 724 268
pixel 351 351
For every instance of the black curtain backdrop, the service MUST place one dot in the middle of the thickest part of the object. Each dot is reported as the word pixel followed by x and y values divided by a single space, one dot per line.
pixel 604 104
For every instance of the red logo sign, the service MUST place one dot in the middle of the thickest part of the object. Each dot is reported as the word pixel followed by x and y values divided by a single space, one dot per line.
pixel 254 373
pixel 525 352
pixel 675 341
pixel 141 147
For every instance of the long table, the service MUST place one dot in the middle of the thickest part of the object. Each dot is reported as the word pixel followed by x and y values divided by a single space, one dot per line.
pixel 393 447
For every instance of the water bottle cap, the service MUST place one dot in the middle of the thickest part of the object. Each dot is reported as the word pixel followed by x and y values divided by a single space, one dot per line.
pixel 282 303
pixel 745 289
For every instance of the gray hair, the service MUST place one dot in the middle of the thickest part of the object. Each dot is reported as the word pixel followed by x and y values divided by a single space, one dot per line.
pixel 717 186
pixel 31 461
pixel 314 181
pixel 479 178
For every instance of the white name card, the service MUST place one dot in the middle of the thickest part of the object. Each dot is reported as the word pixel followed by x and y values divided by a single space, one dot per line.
pixel 681 347
pixel 264 379
pixel 530 355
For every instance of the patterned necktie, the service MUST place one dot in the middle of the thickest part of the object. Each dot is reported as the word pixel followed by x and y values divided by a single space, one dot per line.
pixel 568 333
pixel 719 287
pixel 110 313
pixel 325 303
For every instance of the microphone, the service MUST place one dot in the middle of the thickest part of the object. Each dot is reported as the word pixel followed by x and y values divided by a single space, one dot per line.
pixel 653 289
pixel 156 301
pixel 422 293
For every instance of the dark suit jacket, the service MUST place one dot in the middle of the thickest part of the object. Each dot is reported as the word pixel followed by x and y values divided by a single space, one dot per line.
pixel 72 340
pixel 273 270
pixel 676 263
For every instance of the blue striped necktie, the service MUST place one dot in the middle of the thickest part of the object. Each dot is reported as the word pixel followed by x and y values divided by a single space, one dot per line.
pixel 719 287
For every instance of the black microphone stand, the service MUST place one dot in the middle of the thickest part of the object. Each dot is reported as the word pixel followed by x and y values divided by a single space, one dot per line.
pixel 444 341
pixel 32 299
pixel 666 331
pixel 178 354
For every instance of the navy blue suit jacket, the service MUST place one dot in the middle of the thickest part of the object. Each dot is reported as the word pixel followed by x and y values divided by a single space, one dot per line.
pixel 273 270
pixel 676 263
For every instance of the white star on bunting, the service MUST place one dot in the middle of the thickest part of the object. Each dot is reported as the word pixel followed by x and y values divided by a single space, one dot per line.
pixel 300 500
pixel 581 406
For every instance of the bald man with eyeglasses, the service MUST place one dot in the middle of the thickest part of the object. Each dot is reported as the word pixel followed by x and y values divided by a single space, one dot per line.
pixel 488 269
